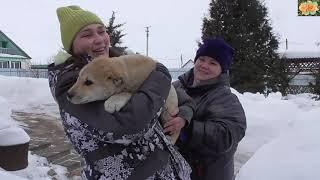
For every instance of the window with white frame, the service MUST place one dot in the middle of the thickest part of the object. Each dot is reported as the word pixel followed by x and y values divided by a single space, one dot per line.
pixel 4 64
pixel 15 64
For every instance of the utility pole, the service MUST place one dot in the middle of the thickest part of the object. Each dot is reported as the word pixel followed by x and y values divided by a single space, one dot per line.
pixel 181 61
pixel 286 44
pixel 147 31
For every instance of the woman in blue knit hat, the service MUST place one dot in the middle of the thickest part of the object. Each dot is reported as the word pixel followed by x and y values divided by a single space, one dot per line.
pixel 129 144
pixel 219 123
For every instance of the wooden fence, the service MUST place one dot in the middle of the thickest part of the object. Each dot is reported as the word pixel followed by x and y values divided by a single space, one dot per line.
pixel 33 73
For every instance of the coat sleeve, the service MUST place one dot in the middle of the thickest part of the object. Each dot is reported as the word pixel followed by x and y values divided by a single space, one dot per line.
pixel 186 105
pixel 222 127
pixel 133 118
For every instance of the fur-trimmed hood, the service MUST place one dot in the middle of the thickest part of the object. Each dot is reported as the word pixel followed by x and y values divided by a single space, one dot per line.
pixel 62 55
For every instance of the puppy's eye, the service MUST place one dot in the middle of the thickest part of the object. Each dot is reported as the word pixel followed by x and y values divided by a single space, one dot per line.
pixel 88 82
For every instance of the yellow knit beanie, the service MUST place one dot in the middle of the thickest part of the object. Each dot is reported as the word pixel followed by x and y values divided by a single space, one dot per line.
pixel 72 19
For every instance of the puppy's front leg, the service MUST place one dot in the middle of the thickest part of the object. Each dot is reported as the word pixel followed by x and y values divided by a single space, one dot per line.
pixel 116 102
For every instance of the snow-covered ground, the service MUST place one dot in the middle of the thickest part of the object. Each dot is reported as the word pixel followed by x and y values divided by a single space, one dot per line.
pixel 30 95
pixel 38 169
pixel 281 138
pixel 283 135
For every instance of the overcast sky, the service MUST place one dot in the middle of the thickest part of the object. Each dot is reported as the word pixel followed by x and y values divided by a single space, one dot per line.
pixel 175 25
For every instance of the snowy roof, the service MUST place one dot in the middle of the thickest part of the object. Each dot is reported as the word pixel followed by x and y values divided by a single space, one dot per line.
pixel 12 56
pixel 297 54
pixel 13 46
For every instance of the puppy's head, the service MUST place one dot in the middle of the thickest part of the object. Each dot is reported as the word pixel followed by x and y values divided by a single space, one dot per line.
pixel 98 80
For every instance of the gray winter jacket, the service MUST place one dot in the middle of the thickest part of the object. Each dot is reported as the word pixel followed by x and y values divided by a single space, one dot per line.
pixel 128 144
pixel 219 123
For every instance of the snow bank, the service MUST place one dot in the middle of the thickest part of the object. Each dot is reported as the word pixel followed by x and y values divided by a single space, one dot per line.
pixel 23 92
pixel 28 95
pixel 292 156
pixel 284 136
pixel 5 111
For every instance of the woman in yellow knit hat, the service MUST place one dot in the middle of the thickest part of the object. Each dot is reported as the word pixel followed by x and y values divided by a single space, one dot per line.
pixel 129 144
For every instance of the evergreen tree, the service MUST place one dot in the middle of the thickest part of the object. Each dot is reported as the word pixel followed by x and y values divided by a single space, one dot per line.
pixel 279 77
pixel 115 33
pixel 245 25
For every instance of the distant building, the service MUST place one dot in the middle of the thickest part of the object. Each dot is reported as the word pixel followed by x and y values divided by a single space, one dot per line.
pixel 11 55
pixel 176 72
pixel 188 65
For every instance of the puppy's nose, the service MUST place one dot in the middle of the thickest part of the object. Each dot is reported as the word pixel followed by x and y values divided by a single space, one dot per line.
pixel 69 95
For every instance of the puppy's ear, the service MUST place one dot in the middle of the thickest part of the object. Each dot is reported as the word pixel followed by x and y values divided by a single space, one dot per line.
pixel 118 81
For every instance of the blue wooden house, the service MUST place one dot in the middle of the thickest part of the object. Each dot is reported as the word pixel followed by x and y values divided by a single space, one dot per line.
pixel 11 55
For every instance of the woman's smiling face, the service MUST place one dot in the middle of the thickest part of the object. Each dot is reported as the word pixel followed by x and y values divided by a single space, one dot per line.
pixel 206 68
pixel 92 40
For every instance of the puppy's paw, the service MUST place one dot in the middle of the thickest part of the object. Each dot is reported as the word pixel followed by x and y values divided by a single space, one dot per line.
pixel 116 102
pixel 109 106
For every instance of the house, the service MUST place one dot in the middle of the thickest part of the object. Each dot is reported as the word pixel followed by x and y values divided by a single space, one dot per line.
pixel 188 65
pixel 11 55
pixel 176 72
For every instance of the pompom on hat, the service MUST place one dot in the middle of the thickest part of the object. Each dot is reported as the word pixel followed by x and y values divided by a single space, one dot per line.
pixel 72 19
pixel 218 49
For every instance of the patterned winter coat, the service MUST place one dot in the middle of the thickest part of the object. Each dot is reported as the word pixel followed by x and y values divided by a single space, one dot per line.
pixel 129 144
